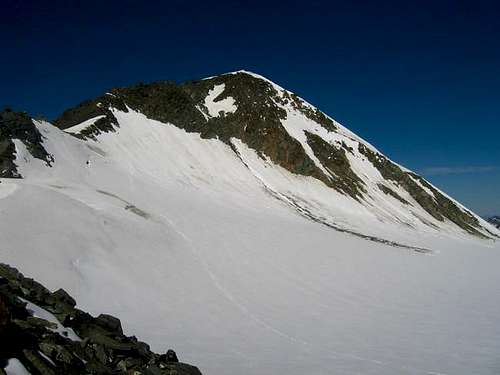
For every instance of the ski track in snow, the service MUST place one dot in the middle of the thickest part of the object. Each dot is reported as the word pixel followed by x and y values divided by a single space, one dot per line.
pixel 246 312
pixel 225 292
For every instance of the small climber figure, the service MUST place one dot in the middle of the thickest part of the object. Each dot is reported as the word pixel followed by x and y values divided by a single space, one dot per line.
pixel 170 356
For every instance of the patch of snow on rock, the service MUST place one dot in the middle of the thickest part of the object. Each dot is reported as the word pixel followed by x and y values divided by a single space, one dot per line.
pixel 226 105
pixel 84 125
pixel 38 312
pixel 15 367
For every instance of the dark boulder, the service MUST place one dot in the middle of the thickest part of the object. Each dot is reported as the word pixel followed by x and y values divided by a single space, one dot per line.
pixel 109 323
pixel 169 356
pixel 63 297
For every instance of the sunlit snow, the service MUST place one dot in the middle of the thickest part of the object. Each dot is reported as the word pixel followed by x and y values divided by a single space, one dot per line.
pixel 216 263
pixel 214 106
pixel 84 125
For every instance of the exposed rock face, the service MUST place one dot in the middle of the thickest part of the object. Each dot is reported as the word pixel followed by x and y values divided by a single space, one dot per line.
pixel 52 347
pixel 435 203
pixel 16 125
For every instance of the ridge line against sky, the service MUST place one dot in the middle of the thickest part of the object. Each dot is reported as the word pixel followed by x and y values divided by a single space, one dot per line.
pixel 419 80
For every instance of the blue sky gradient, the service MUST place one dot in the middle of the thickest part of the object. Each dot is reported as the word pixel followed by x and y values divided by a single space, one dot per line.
pixel 419 80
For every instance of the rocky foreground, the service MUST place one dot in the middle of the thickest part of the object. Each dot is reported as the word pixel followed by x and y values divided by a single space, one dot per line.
pixel 42 332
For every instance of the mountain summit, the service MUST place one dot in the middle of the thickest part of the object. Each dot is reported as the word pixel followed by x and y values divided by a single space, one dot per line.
pixel 271 131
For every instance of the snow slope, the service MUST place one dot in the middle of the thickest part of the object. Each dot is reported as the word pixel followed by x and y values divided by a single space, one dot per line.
pixel 84 125
pixel 186 241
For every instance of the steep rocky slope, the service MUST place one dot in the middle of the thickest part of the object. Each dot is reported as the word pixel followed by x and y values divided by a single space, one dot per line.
pixel 18 126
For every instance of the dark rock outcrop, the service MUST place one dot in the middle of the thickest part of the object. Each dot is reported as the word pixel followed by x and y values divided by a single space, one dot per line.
pixel 46 347
pixel 17 125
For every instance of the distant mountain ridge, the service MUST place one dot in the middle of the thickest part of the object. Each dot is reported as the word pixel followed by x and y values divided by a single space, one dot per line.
pixel 495 220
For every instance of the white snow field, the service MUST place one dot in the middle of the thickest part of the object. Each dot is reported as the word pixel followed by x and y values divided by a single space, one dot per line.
pixel 191 249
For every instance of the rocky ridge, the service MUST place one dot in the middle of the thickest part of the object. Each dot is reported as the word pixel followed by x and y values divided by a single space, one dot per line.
pixel 49 335
pixel 18 126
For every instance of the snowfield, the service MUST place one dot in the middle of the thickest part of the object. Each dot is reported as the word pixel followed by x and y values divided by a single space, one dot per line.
pixel 187 243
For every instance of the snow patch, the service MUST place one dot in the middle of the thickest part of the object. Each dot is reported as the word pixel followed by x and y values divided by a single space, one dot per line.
pixel 47 359
pixel 84 125
pixel 198 107
pixel 15 367
pixel 226 105
pixel 423 187
pixel 296 124
pixel 41 313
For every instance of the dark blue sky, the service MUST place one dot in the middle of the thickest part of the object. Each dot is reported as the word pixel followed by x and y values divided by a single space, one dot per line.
pixel 421 81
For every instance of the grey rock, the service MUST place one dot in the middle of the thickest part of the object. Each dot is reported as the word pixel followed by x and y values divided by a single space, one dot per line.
pixel 104 348
pixel 109 323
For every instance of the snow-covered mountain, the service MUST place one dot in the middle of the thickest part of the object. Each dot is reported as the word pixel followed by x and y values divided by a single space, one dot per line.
pixel 495 220
pixel 235 220
pixel 294 151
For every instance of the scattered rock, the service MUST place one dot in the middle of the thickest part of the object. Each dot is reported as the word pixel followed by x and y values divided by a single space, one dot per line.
pixel 43 349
